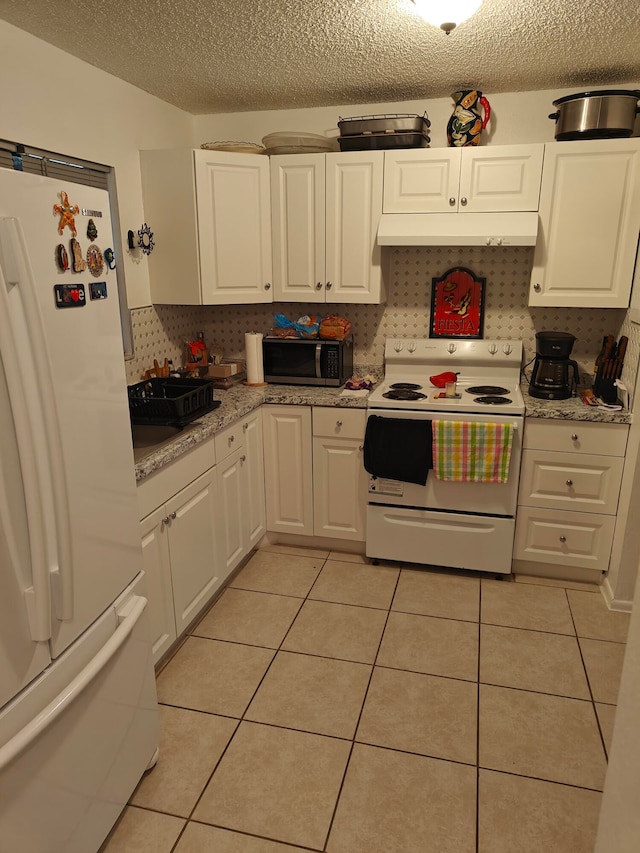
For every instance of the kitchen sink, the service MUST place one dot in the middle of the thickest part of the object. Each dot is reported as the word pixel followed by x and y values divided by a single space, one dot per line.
pixel 149 437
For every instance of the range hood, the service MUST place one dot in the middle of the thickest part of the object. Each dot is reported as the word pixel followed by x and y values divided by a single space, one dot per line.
pixel 458 229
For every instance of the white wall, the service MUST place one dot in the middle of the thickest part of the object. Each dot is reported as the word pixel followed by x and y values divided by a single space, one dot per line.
pixel 517 117
pixel 52 100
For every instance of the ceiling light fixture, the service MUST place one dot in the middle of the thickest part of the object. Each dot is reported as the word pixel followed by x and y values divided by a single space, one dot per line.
pixel 446 14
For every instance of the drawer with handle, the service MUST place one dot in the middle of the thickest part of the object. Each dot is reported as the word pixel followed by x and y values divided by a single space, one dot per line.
pixel 584 482
pixel 339 423
pixel 228 440
pixel 575 436
pixel 580 539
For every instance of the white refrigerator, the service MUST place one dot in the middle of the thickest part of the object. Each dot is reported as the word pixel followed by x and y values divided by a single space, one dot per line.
pixel 78 710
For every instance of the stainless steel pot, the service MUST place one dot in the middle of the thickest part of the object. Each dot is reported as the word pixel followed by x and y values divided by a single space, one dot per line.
pixel 606 114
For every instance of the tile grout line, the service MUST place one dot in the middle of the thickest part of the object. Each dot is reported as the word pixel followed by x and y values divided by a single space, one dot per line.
pixel 355 730
pixel 588 680
pixel 241 719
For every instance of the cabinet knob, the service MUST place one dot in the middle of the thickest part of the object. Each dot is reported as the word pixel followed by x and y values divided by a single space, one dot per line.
pixel 172 515
pixel 569 483
pixel 574 436
pixel 537 287
pixel 463 200
pixel 243 458
pixel 245 427
pixel 452 201
pixel 267 286
pixel 563 538
pixel 329 285
pixel 361 447
pixel 232 438
pixel 338 423
pixel 318 285
pixel 165 520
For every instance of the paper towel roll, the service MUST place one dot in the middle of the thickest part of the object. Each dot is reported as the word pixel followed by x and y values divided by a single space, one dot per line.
pixel 253 348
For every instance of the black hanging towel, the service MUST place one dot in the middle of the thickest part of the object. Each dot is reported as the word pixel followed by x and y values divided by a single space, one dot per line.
pixel 398 449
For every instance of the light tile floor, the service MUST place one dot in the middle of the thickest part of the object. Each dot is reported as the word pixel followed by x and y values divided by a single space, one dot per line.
pixel 326 704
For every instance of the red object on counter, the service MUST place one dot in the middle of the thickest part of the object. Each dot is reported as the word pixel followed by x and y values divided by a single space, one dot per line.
pixel 440 379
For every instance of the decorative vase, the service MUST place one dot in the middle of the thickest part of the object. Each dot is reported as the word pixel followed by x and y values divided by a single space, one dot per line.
pixel 466 124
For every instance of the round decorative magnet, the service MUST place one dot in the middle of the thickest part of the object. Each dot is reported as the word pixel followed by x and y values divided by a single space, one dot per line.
pixel 62 258
pixel 145 239
pixel 92 231
pixel 110 258
pixel 66 213
pixel 94 260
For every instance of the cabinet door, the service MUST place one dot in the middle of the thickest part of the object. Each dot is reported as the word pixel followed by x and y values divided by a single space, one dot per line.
pixel 421 180
pixel 339 488
pixel 288 471
pixel 232 522
pixel 504 178
pixel 253 484
pixel 589 221
pixel 234 227
pixel 195 569
pixel 298 227
pixel 353 210
pixel 157 569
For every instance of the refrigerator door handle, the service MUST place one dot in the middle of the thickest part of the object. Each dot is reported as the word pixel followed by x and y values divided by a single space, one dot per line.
pixel 37 431
pixel 132 612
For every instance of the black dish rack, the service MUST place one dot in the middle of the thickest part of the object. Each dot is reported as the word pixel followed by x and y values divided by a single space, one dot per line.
pixel 170 401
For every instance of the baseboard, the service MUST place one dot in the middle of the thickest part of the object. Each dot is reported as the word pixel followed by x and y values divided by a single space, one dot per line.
pixel 321 542
pixel 621 604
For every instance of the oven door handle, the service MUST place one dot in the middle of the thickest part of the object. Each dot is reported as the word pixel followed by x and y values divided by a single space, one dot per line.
pixel 318 366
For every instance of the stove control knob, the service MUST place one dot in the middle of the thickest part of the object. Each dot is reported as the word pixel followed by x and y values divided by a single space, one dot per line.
pixel 451 348
pixel 493 348
pixel 506 349
pixel 398 346
pixel 411 346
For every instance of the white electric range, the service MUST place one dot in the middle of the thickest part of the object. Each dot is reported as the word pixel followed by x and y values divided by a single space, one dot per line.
pixel 457 524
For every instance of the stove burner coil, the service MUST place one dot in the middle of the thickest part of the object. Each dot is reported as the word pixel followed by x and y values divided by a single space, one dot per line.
pixel 492 400
pixel 405 386
pixel 402 394
pixel 492 390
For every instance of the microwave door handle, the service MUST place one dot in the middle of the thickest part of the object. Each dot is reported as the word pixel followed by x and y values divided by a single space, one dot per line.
pixel 318 365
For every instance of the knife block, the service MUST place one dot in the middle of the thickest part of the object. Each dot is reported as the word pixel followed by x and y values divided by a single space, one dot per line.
pixel 606 389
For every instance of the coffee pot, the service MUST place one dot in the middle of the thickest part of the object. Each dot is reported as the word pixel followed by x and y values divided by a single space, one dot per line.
pixel 550 377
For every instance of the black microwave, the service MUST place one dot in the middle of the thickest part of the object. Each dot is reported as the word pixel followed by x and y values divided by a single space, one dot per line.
pixel 304 361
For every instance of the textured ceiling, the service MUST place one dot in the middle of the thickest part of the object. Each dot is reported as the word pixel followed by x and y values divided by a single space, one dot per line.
pixel 213 56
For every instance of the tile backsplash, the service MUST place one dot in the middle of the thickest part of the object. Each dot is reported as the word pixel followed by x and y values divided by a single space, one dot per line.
pixel 159 331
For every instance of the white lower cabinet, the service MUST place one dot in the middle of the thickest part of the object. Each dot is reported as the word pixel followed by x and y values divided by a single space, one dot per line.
pixel 568 498
pixel 198 522
pixel 241 515
pixel 314 477
pixel 180 559
pixel 339 479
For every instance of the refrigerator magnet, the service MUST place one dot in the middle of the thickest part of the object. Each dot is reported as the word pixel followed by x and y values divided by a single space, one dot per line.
pixel 78 262
pixel 66 212
pixel 62 259
pixel 110 258
pixel 95 261
pixel 92 231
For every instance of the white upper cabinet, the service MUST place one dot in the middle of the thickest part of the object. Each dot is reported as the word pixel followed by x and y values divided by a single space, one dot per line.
pixel 325 214
pixel 210 215
pixel 589 223
pixel 451 180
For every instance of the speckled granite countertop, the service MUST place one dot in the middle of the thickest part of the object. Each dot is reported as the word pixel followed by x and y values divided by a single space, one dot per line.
pixel 240 400
pixel 572 409
pixel 237 402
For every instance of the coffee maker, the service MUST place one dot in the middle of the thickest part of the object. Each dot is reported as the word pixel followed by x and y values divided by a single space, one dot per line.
pixel 550 375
